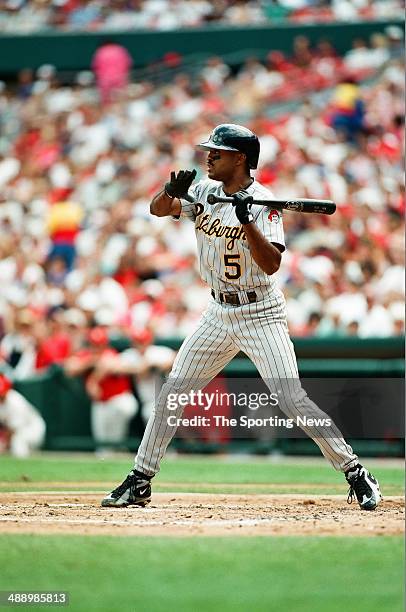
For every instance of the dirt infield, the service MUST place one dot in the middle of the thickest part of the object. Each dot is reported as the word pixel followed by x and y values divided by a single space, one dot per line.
pixel 182 514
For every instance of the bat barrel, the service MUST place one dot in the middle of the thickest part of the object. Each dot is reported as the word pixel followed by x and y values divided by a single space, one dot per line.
pixel 305 205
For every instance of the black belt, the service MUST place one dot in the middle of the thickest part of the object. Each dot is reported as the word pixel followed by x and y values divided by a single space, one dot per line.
pixel 234 298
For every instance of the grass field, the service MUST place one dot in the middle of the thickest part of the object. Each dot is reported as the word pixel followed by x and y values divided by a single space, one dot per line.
pixel 194 573
pixel 195 474
pixel 107 573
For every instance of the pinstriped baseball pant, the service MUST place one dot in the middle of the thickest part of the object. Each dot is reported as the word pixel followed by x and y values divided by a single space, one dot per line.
pixel 259 330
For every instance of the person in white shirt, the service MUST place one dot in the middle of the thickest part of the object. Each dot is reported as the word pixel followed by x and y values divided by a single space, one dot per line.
pixel 22 419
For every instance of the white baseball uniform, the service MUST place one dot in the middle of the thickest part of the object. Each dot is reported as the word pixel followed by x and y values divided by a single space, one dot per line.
pixel 159 359
pixel 246 313
pixel 110 418
pixel 25 423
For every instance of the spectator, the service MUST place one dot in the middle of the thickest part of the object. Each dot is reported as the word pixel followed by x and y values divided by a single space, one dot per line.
pixel 302 54
pixel 63 223
pixel 358 58
pixel 84 14
pixel 395 36
pixel 18 347
pixel 111 65
pixel 25 83
pixel 55 344
pixel 348 109
pixel 75 324
pixel 72 15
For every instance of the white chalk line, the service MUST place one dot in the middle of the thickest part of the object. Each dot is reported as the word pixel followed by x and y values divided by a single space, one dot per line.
pixel 183 494
pixel 69 506
pixel 69 492
pixel 130 509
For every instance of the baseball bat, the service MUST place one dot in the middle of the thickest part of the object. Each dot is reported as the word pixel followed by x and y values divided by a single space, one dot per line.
pixel 305 205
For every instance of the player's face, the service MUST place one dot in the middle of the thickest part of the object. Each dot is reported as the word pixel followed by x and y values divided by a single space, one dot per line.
pixel 221 164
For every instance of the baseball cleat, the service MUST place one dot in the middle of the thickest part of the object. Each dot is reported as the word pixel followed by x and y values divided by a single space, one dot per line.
pixel 364 487
pixel 134 491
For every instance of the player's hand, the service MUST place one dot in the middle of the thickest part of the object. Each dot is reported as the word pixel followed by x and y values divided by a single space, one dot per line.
pixel 179 184
pixel 243 205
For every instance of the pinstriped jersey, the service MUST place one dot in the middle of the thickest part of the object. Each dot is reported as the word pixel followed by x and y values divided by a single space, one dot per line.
pixel 224 255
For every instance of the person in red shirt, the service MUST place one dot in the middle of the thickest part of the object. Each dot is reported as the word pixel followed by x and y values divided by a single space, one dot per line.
pixel 54 342
pixel 113 403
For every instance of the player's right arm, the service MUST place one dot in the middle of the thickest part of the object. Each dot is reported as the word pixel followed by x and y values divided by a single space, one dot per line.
pixel 167 202
pixel 163 205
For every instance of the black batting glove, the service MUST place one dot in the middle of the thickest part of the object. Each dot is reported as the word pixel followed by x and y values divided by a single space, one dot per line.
pixel 243 205
pixel 179 184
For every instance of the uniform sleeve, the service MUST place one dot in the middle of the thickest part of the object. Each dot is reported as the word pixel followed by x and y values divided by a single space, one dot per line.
pixel 271 224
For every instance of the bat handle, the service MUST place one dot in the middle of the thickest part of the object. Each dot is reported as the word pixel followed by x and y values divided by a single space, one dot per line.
pixel 213 199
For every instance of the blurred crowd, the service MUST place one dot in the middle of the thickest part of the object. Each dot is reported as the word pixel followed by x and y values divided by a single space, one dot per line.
pixel 78 247
pixel 98 15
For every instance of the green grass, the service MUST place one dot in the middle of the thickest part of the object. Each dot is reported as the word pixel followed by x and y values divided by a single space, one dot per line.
pixel 189 473
pixel 298 574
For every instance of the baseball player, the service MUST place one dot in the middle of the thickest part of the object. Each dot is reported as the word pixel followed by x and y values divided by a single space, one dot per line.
pixel 113 403
pixel 149 363
pixel 240 248
pixel 25 423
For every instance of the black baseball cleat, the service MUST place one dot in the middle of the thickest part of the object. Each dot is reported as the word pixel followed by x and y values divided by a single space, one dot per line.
pixel 364 487
pixel 134 491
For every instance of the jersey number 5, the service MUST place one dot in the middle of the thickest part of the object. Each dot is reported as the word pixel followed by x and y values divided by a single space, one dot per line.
pixel 232 261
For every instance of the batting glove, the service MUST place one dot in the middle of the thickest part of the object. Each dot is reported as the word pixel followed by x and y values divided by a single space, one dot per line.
pixel 243 205
pixel 179 184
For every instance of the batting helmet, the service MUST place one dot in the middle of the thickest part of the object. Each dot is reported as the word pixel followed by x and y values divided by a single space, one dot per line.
pixel 232 137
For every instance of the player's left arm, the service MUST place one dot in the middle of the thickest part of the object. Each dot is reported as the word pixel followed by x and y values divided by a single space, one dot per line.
pixel 266 254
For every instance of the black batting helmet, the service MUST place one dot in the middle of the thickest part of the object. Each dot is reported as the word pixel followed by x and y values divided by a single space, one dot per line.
pixel 232 137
